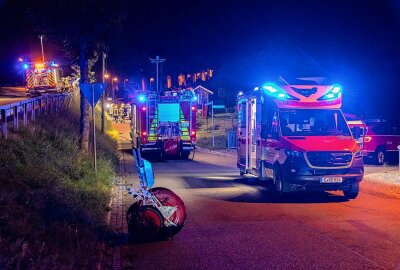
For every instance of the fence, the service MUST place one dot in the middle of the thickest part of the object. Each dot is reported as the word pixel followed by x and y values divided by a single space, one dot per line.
pixel 232 139
pixel 27 110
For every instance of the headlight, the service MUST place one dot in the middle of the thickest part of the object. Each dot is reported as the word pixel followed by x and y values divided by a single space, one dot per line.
pixel 293 154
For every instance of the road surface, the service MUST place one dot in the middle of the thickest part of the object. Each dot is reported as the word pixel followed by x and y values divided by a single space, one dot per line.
pixel 236 225
pixel 10 95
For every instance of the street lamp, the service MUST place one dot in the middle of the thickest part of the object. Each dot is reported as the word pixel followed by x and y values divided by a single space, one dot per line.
pixel 41 43
pixel 106 76
pixel 115 79
pixel 151 83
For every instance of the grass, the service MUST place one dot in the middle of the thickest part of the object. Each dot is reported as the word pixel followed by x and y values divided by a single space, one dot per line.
pixel 51 201
pixel 223 123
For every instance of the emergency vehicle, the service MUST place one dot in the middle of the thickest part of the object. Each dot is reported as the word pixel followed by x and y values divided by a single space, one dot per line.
pixel 381 141
pixel 297 136
pixel 43 78
pixel 165 124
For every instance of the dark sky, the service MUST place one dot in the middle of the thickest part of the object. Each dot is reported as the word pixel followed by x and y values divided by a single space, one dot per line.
pixel 355 43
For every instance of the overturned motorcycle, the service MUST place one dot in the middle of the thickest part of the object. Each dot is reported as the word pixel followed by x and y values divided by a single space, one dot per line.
pixel 158 213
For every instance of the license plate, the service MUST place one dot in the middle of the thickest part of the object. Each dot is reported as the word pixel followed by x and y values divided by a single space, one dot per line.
pixel 331 180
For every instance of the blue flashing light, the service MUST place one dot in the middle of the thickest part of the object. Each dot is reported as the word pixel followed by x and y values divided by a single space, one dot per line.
pixel 276 92
pixel 334 93
pixel 256 88
pixel 194 98
pixel 141 98
pixel 25 66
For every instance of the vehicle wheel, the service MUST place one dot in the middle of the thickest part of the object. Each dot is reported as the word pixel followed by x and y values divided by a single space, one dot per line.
pixel 168 198
pixel 278 182
pixel 352 193
pixel 144 224
pixel 380 155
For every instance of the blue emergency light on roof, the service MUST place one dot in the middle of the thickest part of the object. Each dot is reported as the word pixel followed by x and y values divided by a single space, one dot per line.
pixel 141 98
pixel 25 66
pixel 334 93
pixel 276 92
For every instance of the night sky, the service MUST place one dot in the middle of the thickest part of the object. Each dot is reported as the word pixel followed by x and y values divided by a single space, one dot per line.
pixel 354 43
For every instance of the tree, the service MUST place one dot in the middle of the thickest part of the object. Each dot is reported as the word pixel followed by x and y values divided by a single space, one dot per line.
pixel 83 27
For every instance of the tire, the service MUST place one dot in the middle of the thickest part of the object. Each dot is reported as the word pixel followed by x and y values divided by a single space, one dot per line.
pixel 380 156
pixel 168 198
pixel 352 192
pixel 144 223
pixel 278 182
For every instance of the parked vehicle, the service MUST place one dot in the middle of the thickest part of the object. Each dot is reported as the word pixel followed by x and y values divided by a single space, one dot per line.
pixel 297 136
pixel 43 78
pixel 381 141
pixel 165 124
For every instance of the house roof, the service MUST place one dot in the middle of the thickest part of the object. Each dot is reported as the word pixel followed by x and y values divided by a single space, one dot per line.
pixel 202 88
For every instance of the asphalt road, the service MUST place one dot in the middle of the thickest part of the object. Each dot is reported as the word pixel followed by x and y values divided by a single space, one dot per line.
pixel 236 225
pixel 10 95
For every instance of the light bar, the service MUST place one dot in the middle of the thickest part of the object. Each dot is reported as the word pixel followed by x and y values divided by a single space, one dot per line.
pixel 276 92
pixel 334 93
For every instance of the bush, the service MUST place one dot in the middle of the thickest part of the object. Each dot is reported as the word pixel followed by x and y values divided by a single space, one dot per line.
pixel 51 201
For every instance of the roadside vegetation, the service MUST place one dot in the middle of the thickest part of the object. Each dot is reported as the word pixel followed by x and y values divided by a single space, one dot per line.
pixel 223 122
pixel 52 204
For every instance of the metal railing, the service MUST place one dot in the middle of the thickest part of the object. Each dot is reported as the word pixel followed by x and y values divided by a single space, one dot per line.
pixel 27 111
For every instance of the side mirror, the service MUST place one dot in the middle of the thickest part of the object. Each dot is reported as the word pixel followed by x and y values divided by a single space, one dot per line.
pixel 357 132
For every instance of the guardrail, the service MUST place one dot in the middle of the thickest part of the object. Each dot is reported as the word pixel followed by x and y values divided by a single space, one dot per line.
pixel 28 110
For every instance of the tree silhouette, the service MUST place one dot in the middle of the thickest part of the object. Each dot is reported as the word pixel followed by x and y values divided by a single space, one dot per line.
pixel 83 27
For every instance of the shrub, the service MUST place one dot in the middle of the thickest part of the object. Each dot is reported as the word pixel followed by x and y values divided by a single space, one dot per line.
pixel 51 201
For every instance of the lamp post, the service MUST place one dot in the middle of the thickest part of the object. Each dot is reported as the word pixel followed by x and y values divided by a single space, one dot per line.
pixel 151 83
pixel 41 43
pixel 24 67
pixel 157 61
pixel 115 79
pixel 103 99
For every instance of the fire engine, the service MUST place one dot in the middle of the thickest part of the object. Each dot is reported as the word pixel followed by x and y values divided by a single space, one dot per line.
pixel 43 78
pixel 165 124
pixel 296 136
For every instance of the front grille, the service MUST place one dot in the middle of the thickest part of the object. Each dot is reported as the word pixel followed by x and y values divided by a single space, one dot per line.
pixel 329 159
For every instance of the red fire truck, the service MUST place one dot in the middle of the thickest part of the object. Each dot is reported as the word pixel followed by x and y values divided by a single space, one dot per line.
pixel 165 124
pixel 297 136
pixel 42 78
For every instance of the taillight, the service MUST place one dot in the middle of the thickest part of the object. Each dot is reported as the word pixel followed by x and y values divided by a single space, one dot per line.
pixel 367 139
pixel 144 108
pixel 193 135
pixel 144 133
pixel 193 108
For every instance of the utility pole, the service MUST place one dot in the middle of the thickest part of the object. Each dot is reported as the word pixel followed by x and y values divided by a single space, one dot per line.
pixel 41 43
pixel 157 61
pixel 103 99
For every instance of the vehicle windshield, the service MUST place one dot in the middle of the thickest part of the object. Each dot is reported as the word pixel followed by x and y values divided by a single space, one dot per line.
pixel 308 122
